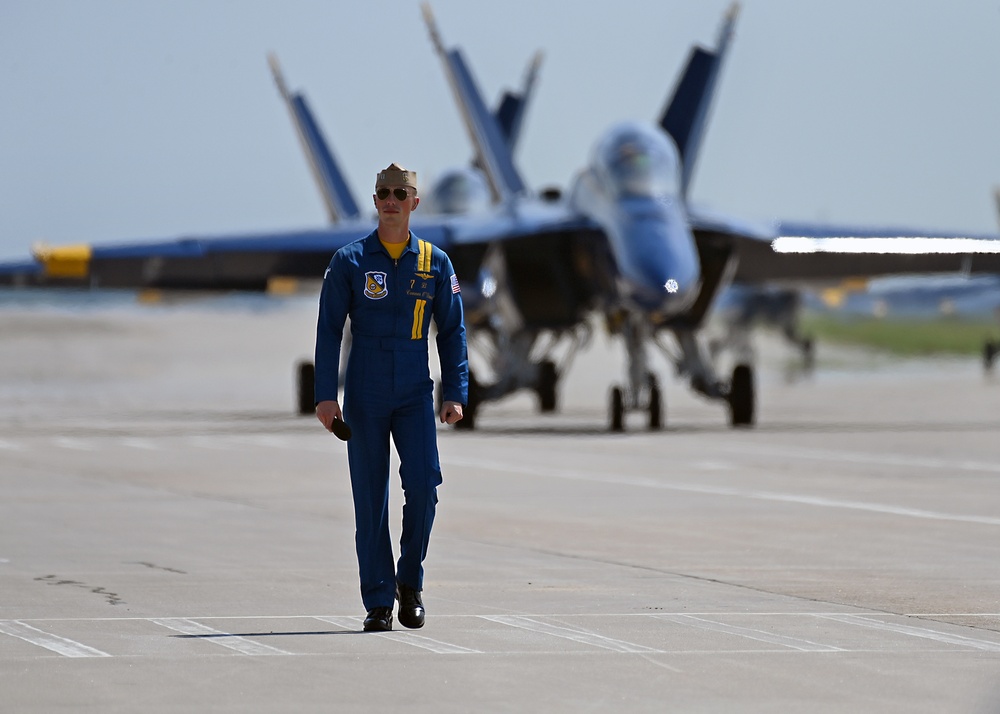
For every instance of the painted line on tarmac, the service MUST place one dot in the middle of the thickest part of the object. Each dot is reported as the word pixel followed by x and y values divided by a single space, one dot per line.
pixel 923 632
pixel 943 465
pixel 566 633
pixel 137 443
pixel 54 643
pixel 223 639
pixel 749 632
pixel 649 482
pixel 219 443
pixel 425 643
pixel 68 442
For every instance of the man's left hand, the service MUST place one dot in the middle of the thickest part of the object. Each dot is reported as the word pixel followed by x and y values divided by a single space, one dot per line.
pixel 451 412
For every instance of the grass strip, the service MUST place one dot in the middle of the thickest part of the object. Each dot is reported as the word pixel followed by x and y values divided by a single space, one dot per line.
pixel 904 336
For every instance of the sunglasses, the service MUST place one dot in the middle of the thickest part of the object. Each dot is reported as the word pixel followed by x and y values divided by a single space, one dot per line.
pixel 399 193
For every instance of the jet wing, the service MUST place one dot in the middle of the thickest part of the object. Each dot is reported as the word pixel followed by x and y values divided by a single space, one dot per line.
pixel 257 261
pixel 810 254
pixel 22 273
pixel 245 262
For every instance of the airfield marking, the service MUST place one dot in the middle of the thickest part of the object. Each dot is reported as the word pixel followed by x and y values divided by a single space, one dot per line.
pixel 10 445
pixel 865 458
pixel 274 442
pixel 67 442
pixel 923 632
pixel 54 643
pixel 218 637
pixel 532 623
pixel 567 633
pixel 137 443
pixel 749 632
pixel 220 443
pixel 421 641
pixel 207 442
pixel 649 482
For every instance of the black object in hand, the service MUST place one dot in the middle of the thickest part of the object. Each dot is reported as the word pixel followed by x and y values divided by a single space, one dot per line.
pixel 340 429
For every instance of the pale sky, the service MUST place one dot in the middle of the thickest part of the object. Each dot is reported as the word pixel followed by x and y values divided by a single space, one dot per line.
pixel 126 120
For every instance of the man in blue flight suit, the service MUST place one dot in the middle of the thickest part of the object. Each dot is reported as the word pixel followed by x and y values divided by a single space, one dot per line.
pixel 391 283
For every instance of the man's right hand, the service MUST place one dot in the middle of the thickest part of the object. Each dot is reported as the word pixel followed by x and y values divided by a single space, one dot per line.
pixel 327 411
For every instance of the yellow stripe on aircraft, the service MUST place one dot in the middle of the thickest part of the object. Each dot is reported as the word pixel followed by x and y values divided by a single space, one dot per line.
pixel 418 319
pixel 281 285
pixel 835 296
pixel 71 261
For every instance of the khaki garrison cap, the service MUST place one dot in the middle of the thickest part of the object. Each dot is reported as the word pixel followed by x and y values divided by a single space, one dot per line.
pixel 396 175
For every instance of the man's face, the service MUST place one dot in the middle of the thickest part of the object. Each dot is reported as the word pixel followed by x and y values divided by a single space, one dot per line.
pixel 396 205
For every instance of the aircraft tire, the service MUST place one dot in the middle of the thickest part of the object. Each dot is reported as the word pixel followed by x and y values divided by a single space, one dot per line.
pixel 809 353
pixel 468 422
pixel 547 380
pixel 741 396
pixel 990 350
pixel 655 407
pixel 305 382
pixel 617 411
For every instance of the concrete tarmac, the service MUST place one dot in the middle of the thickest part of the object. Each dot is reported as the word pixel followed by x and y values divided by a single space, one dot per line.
pixel 174 538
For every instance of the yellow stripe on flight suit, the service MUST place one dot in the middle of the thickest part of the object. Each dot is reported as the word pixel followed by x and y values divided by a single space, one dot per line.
pixel 423 266
pixel 418 320
pixel 424 258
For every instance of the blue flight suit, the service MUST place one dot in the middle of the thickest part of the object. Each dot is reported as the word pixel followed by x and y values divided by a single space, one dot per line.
pixel 388 390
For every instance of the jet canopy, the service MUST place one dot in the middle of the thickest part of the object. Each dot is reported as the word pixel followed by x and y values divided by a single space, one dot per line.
pixel 460 191
pixel 637 160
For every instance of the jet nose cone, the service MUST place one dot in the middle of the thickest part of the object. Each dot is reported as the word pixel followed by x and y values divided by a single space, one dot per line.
pixel 672 290
pixel 666 275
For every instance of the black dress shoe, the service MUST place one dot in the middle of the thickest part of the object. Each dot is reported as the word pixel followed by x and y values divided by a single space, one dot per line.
pixel 379 619
pixel 411 607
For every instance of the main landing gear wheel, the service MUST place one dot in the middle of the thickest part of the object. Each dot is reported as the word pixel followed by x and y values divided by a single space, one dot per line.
pixel 655 405
pixel 546 386
pixel 809 353
pixel 990 351
pixel 741 396
pixel 305 381
pixel 617 411
pixel 468 422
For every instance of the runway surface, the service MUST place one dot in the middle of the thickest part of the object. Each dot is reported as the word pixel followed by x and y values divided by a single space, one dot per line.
pixel 174 538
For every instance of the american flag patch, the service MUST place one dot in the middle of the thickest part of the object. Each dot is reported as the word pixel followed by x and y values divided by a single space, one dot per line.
pixel 454 284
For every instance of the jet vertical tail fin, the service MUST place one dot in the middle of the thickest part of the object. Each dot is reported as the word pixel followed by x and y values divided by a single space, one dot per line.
pixel 510 112
pixel 493 151
pixel 329 178
pixel 686 113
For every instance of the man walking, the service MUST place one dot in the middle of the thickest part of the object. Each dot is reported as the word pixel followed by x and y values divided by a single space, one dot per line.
pixel 391 283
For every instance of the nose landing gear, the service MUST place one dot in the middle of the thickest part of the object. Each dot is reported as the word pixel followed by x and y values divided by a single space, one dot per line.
pixel 651 402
